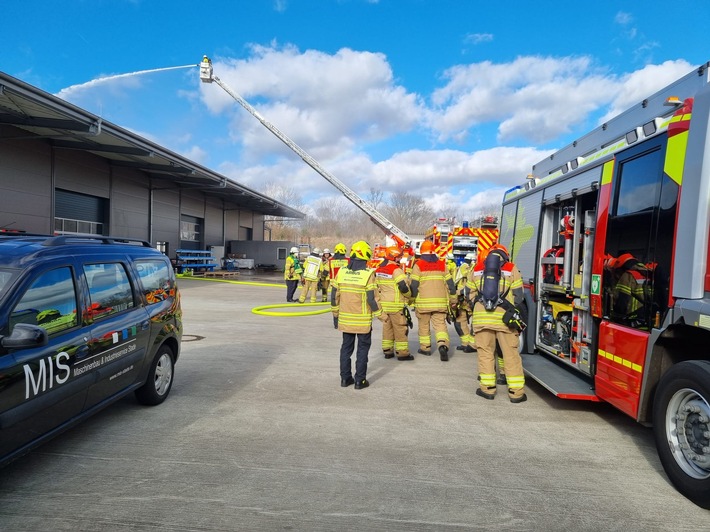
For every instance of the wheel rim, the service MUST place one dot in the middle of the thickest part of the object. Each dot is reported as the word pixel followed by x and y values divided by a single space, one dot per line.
pixel 688 432
pixel 163 374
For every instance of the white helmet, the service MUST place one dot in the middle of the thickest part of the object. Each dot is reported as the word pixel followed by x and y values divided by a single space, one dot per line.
pixel 450 256
pixel 326 250
pixel 316 251
pixel 469 256
pixel 294 249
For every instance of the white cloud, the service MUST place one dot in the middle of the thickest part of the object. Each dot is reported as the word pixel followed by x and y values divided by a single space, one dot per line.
pixel 531 98
pixel 195 153
pixel 634 87
pixel 326 103
pixel 477 38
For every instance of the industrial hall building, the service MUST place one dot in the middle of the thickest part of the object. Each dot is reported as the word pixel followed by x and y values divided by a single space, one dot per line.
pixel 64 170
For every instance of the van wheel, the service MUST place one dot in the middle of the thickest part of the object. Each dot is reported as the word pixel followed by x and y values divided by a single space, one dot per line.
pixel 681 427
pixel 160 378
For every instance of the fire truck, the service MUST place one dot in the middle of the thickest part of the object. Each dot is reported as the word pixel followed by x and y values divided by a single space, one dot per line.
pixel 401 239
pixel 458 240
pixel 611 236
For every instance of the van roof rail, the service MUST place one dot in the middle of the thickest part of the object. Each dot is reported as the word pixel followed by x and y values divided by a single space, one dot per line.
pixel 62 240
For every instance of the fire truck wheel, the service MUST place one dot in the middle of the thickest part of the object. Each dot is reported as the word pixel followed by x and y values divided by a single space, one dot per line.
pixel 681 427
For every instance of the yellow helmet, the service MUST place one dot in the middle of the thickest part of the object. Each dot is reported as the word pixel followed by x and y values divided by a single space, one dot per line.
pixel 340 248
pixel 361 250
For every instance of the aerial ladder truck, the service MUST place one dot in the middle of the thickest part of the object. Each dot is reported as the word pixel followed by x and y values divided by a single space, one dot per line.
pixel 395 233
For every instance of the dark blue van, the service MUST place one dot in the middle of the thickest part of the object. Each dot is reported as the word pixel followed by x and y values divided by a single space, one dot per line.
pixel 84 321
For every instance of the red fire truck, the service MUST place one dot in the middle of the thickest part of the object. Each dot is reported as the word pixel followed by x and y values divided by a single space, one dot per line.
pixel 611 235
pixel 458 240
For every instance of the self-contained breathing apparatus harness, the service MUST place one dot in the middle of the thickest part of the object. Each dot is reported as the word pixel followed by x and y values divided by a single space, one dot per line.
pixel 490 297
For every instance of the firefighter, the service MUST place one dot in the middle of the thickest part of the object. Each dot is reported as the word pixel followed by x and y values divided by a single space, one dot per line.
pixel 292 274
pixel 451 265
pixel 463 307
pixel 630 293
pixel 337 261
pixel 394 292
pixel 434 292
pixel 495 288
pixel 312 267
pixel 354 301
pixel 324 282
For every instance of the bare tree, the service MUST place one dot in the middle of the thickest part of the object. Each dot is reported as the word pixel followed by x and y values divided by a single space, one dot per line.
pixel 409 212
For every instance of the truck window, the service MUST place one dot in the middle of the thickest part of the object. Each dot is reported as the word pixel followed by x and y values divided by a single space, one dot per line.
pixel 50 302
pixel 640 231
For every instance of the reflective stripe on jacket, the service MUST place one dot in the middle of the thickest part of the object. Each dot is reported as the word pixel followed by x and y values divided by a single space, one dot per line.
pixel 432 286
pixel 388 278
pixel 351 307
pixel 510 284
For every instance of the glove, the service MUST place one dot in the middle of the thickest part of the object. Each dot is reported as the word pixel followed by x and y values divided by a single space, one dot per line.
pixel 335 322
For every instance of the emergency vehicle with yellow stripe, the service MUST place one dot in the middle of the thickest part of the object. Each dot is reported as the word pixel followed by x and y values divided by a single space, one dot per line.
pixel 460 240
pixel 631 196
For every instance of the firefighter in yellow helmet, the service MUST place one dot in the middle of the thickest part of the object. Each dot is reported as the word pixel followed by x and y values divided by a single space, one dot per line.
pixel 451 264
pixel 354 301
pixel 394 292
pixel 434 292
pixel 292 274
pixel 337 261
pixel 463 307
pixel 495 288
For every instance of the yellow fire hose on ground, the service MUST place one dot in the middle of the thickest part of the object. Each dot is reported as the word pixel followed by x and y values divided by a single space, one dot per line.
pixel 261 310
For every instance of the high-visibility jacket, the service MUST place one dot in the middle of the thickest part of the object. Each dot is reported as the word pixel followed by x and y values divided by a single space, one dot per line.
pixel 336 262
pixel 461 277
pixel 631 294
pixel 451 266
pixel 292 269
pixel 432 286
pixel 510 284
pixel 312 268
pixel 388 277
pixel 351 306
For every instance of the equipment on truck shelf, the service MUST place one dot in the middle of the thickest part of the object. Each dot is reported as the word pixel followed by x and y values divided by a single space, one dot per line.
pixel 399 236
pixel 611 235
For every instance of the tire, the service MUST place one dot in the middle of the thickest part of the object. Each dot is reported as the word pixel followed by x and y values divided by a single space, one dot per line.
pixel 160 378
pixel 683 402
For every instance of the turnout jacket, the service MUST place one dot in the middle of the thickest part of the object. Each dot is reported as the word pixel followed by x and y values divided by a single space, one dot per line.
pixel 393 286
pixel 510 284
pixel 292 268
pixel 355 299
pixel 431 285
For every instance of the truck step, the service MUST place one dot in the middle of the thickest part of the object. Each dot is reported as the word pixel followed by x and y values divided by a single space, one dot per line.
pixel 558 379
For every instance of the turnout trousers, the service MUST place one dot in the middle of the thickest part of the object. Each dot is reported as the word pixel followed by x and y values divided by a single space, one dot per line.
pixel 437 321
pixel 364 340
pixel 394 334
pixel 310 287
pixel 508 342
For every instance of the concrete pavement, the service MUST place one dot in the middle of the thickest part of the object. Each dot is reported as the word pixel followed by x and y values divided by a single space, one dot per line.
pixel 257 434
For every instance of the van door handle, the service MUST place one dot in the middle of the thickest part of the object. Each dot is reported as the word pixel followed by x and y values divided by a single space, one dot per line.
pixel 82 351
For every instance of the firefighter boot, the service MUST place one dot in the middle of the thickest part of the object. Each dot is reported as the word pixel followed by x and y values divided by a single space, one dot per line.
pixel 489 394
pixel 444 353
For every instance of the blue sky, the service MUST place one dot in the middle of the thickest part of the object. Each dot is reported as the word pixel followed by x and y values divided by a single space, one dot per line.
pixel 450 100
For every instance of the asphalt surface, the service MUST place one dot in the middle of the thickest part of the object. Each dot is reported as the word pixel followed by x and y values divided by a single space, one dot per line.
pixel 257 434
